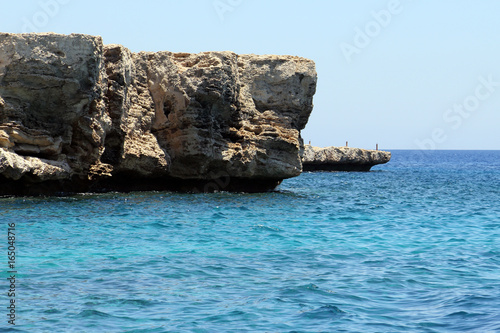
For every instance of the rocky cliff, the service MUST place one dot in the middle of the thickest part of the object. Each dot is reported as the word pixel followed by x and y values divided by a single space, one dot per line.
pixel 342 158
pixel 77 116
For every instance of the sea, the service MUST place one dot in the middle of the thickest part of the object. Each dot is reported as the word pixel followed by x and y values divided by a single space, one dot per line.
pixel 412 246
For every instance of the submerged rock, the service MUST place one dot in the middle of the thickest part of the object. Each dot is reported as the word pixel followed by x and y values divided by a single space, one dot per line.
pixel 342 158
pixel 78 116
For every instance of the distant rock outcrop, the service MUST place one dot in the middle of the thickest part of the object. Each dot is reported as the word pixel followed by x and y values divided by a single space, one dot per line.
pixel 342 158
pixel 78 116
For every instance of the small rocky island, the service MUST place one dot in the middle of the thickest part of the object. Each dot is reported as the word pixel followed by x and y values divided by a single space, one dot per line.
pixel 342 158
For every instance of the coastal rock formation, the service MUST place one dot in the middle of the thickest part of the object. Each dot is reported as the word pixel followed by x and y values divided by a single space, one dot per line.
pixel 342 158
pixel 77 116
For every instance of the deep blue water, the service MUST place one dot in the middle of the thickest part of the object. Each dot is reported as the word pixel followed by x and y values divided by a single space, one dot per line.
pixel 413 246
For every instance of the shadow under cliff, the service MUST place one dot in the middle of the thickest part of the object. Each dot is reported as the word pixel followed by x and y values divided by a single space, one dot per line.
pixel 126 183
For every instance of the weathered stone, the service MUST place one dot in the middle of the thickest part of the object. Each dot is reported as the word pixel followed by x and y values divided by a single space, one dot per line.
pixel 129 144
pixel 26 141
pixel 342 158
pixel 115 119
pixel 14 167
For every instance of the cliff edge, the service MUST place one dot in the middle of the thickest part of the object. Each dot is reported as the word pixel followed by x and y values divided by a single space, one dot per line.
pixel 79 116
pixel 342 158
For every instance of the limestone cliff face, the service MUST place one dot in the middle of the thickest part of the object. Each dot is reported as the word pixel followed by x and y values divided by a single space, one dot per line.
pixel 76 115
pixel 342 158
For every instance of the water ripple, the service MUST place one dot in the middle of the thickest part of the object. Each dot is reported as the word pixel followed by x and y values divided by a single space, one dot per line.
pixel 411 249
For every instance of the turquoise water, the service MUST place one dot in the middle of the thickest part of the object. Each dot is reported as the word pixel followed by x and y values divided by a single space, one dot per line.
pixel 412 246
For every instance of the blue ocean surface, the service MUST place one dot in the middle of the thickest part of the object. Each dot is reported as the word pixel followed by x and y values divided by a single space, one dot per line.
pixel 413 246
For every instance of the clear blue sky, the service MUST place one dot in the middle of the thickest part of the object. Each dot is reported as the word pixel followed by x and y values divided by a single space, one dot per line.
pixel 405 74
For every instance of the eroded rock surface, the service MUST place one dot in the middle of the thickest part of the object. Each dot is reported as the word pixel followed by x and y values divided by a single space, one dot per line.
pixel 78 116
pixel 342 158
